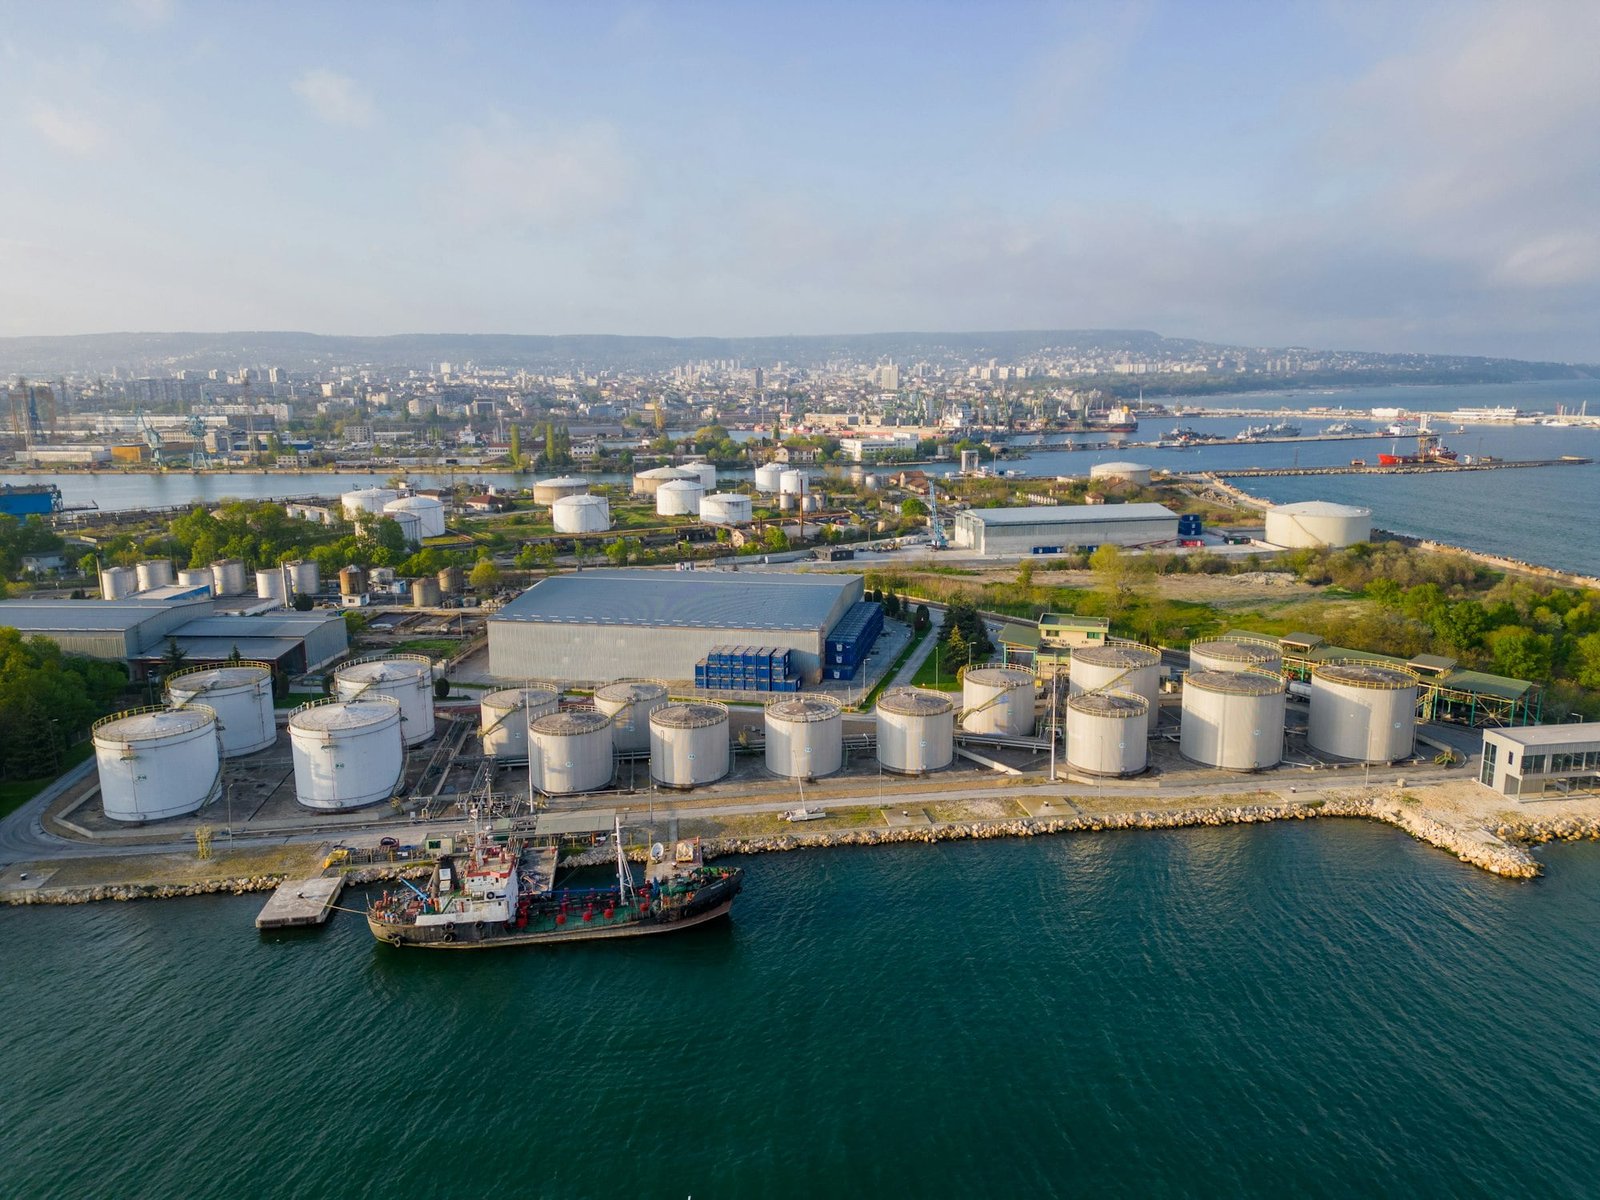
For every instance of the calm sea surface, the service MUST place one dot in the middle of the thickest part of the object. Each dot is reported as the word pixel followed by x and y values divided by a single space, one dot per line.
pixel 1326 1009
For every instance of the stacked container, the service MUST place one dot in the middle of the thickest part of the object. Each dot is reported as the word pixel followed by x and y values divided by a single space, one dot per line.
pixel 746 669
pixel 852 639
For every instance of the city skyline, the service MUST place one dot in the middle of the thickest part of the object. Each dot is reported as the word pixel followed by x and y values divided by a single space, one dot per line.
pixel 1415 178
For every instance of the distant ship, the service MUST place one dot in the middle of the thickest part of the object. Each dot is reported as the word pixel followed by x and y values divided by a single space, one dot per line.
pixel 1119 419
pixel 499 892
pixel 1344 429
pixel 1501 413
pixel 1430 451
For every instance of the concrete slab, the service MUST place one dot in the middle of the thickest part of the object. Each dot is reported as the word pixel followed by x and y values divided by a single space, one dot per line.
pixel 12 879
pixel 1047 806
pixel 301 902
pixel 906 818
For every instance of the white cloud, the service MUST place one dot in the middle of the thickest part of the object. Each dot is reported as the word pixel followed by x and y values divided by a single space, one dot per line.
pixel 335 98
pixel 149 12
pixel 505 175
pixel 68 131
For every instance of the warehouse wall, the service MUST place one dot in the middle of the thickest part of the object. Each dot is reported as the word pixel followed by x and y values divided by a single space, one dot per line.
pixel 521 650
pixel 1021 539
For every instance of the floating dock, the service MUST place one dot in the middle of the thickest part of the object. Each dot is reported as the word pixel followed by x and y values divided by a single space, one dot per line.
pixel 301 902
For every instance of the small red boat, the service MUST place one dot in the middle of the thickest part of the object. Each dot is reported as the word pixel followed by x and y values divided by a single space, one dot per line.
pixel 1430 450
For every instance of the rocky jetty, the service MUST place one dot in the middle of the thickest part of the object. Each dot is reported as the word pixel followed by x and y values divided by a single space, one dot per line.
pixel 236 886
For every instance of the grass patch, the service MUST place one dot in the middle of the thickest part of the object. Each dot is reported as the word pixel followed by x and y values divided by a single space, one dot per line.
pixel 296 699
pixel 435 647
pixel 14 793
pixel 938 673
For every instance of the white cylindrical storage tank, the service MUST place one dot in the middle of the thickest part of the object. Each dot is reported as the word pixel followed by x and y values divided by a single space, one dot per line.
pixel 505 714
pixel 1108 732
pixel 228 577
pixel 646 483
pixel 805 737
pixel 410 524
pixel 548 491
pixel 916 731
pixel 793 483
pixel 581 514
pixel 1130 668
pixel 118 582
pixel 1366 712
pixel 428 510
pixel 304 576
pixel 1137 473
pixel 157 762
pixel 347 753
pixel 725 508
pixel 241 696
pixel 1318 523
pixel 154 573
pixel 704 472
pixel 270 585
pixel 679 497
pixel 407 678
pixel 365 501
pixel 1233 719
pixel 769 478
pixel 998 701
pixel 196 578
pixel 570 752
pixel 1226 654
pixel 629 703
pixel 689 744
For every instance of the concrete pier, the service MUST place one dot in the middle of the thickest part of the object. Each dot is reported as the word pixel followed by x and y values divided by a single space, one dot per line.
pixel 301 902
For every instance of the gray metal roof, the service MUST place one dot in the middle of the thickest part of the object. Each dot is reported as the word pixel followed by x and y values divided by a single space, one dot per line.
pixel 681 599
pixel 261 625
pixel 1070 514
pixel 1578 733
pixel 211 649
pixel 93 616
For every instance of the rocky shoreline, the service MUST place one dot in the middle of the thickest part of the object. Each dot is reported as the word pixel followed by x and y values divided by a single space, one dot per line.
pixel 1501 851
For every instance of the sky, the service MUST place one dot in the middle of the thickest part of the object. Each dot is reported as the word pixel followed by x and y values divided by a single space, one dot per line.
pixel 1335 174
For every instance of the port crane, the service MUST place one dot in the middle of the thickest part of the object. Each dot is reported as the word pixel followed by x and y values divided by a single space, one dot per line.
pixel 935 532
pixel 152 436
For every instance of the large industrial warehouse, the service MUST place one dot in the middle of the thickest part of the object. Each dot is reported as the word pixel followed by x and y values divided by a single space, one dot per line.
pixel 1056 529
pixel 595 626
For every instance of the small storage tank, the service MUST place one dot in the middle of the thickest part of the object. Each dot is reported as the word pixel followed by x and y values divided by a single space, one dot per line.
pixel 154 573
pixel 629 703
pixel 997 701
pixel 197 577
pixel 347 753
pixel 725 508
pixel 352 581
pixel 505 714
pixel 916 731
pixel 270 585
pixel 689 744
pixel 407 678
pixel 452 580
pixel 116 583
pixel 410 524
pixel 241 696
pixel 1318 523
pixel 769 478
pixel 581 514
pixel 1126 668
pixel 304 576
pixel 805 737
pixel 1132 472
pixel 1227 654
pixel 428 510
pixel 704 472
pixel 570 752
pixel 1366 712
pixel 793 483
pixel 1108 732
pixel 646 483
pixel 1233 719
pixel 228 577
pixel 548 491
pixel 157 762
pixel 425 592
pixel 679 498
pixel 365 501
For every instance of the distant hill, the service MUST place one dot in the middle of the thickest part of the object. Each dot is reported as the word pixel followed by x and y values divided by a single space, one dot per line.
pixel 161 353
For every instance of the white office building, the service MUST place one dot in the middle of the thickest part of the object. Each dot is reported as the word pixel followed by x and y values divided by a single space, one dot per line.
pixel 1533 762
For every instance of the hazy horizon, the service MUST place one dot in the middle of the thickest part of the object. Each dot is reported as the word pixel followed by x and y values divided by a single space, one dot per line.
pixel 1417 178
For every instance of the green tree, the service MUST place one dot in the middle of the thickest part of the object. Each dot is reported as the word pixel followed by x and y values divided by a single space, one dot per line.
pixel 912 507
pixel 485 576
pixel 173 658
pixel 1522 653
pixel 1025 573
pixel 1586 661
pixel 516 446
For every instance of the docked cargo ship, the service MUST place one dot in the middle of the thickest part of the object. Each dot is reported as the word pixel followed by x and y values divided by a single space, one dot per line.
pixel 500 892
pixel 1430 451
pixel 1117 419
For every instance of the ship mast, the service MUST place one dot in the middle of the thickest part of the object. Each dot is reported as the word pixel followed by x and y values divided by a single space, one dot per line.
pixel 624 875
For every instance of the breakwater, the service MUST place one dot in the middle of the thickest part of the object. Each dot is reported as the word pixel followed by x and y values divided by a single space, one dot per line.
pixel 237 885
pixel 1437 468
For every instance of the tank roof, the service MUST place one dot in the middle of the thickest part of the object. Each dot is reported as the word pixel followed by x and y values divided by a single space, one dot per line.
pixel 328 715
pixel 211 679
pixel 1110 704
pixel 914 702
pixel 999 677
pixel 385 670
pixel 563 481
pixel 1367 675
pixel 1321 508
pixel 518 697
pixel 666 473
pixel 1117 656
pixel 583 501
pixel 1246 652
pixel 804 708
pixel 631 689
pixel 1235 683
pixel 141 725
pixel 415 502
pixel 566 724
pixel 698 715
